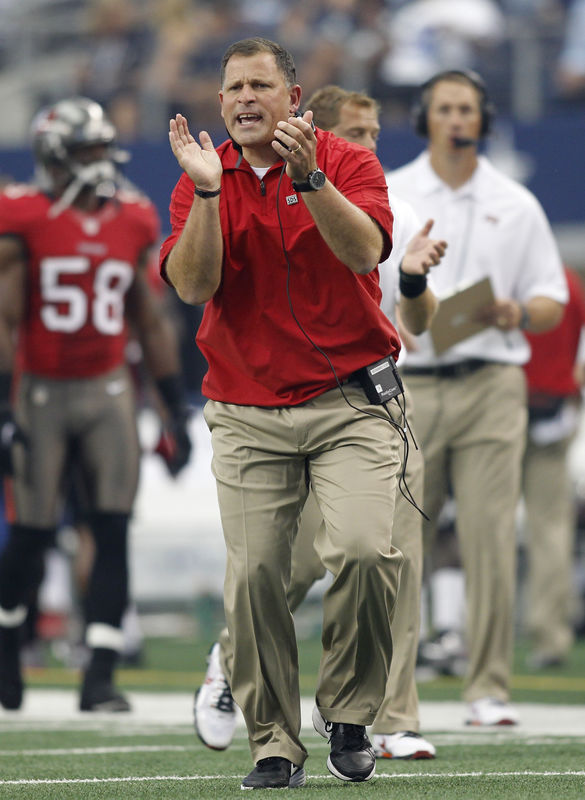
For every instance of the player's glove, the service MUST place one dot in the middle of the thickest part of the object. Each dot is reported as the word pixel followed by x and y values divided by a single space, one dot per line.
pixel 174 445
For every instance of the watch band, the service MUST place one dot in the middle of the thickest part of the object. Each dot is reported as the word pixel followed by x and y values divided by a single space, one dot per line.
pixel 303 187
pixel 205 195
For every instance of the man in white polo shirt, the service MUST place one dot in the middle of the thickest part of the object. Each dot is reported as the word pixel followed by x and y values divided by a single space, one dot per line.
pixel 470 400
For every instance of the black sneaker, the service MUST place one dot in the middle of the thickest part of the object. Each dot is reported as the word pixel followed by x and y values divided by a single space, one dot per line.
pixel 102 696
pixel 352 756
pixel 275 773
pixel 11 685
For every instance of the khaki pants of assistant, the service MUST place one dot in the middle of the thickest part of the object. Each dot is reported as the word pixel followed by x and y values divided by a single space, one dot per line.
pixel 551 520
pixel 399 710
pixel 472 432
pixel 261 457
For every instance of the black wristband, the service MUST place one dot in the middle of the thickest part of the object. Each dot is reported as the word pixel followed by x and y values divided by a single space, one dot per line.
pixel 172 391
pixel 524 318
pixel 5 384
pixel 205 195
pixel 411 285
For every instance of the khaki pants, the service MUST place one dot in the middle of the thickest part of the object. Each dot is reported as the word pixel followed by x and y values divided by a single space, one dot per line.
pixel 399 710
pixel 472 432
pixel 550 518
pixel 260 460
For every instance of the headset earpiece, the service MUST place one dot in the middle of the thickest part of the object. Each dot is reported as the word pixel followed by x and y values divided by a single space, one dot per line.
pixel 420 108
pixel 419 119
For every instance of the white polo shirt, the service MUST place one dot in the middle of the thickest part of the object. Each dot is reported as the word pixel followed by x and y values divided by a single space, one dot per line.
pixel 493 227
pixel 406 225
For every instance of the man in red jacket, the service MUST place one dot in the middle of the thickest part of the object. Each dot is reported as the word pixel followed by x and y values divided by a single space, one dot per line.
pixel 280 231
pixel 555 377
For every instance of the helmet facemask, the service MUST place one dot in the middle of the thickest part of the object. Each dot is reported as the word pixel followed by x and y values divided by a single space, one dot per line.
pixel 61 134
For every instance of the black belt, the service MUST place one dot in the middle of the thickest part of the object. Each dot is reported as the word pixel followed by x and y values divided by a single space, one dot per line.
pixel 458 370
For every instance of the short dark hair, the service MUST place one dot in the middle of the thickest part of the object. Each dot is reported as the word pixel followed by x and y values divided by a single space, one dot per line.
pixel 326 104
pixel 257 44
pixel 464 77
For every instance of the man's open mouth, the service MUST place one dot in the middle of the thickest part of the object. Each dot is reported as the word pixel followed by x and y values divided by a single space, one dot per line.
pixel 248 119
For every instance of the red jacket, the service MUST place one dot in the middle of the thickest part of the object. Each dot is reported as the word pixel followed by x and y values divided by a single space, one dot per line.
pixel 550 369
pixel 256 352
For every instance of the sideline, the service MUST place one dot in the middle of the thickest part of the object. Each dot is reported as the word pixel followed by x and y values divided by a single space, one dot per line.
pixel 156 710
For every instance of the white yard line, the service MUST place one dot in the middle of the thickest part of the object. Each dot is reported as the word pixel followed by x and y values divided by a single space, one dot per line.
pixel 394 776
pixel 100 751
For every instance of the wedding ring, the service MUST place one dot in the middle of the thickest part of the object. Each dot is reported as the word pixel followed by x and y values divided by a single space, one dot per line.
pixel 297 150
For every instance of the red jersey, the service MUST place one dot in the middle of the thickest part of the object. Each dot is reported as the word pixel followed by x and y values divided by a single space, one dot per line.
pixel 256 352
pixel 550 369
pixel 80 266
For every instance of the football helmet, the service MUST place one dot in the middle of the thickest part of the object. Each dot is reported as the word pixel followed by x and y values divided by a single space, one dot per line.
pixel 61 130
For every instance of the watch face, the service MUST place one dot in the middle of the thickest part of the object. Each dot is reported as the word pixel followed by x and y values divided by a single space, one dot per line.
pixel 317 179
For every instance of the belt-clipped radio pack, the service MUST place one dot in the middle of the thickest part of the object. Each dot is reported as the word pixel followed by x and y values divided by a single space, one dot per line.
pixel 380 380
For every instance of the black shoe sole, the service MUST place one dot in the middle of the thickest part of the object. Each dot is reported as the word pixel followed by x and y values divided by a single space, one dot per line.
pixel 298 779
pixel 103 698
pixel 117 706
pixel 11 700
pixel 359 778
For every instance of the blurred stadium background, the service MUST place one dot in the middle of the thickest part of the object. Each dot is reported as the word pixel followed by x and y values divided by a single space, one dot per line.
pixel 146 59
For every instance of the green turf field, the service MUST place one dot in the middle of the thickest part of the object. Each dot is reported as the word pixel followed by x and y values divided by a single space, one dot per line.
pixel 62 754
pixel 62 761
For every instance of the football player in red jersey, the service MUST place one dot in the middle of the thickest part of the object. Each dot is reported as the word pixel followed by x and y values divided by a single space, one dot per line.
pixel 73 255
